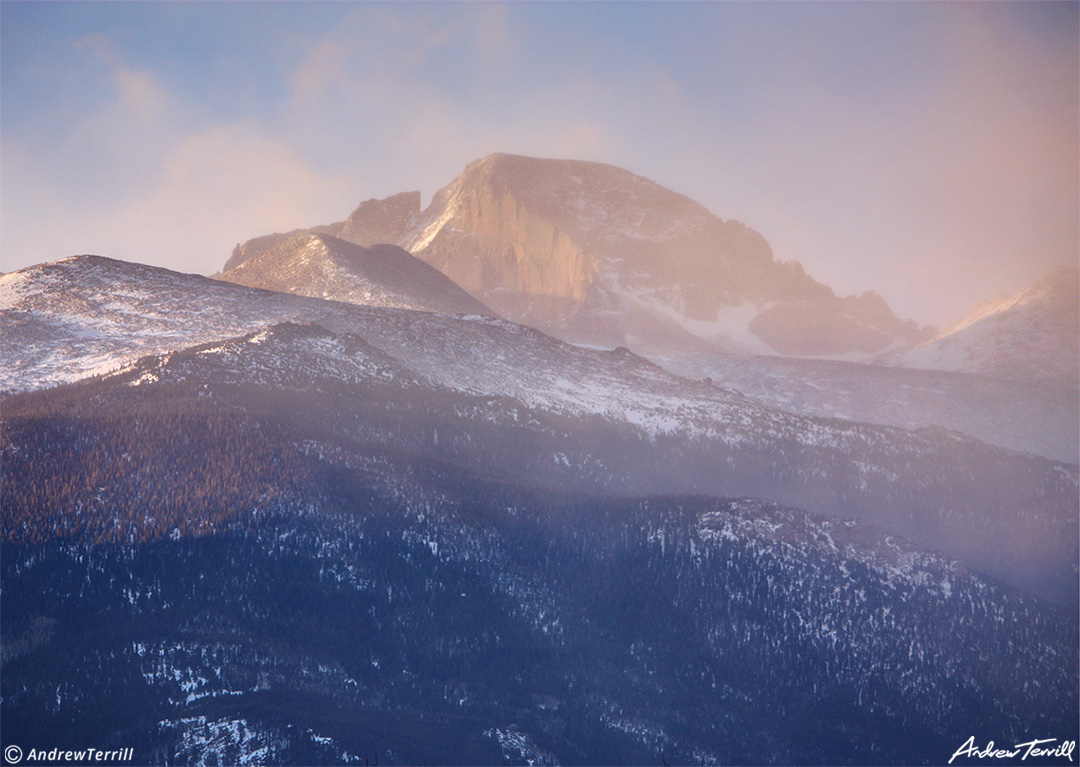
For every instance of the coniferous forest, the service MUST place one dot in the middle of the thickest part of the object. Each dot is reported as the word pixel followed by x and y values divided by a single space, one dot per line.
pixel 213 572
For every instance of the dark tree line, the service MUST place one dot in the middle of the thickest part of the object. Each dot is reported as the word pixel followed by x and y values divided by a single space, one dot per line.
pixel 162 465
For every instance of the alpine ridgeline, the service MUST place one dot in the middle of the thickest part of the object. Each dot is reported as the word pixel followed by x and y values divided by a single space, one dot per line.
pixel 1031 337
pixel 323 266
pixel 514 549
pixel 629 426
pixel 594 254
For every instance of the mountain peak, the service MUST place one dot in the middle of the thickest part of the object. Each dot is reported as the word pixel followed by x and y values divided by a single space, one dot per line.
pixel 1033 335
pixel 323 266
pixel 596 192
pixel 598 255
pixel 52 277
pixel 381 221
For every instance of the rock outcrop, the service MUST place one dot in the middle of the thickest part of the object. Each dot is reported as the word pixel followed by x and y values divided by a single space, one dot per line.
pixel 380 221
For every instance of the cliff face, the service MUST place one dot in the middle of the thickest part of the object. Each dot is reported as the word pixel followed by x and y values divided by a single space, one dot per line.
pixel 520 263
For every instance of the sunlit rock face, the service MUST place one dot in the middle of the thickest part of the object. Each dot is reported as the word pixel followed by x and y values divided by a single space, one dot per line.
pixel 381 221
pixel 596 254
pixel 489 241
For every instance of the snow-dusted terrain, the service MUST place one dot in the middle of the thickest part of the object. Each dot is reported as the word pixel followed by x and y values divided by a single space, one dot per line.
pixel 535 630
pixel 88 315
pixel 277 528
pixel 1031 417
pixel 84 315
pixel 323 266
pixel 1033 336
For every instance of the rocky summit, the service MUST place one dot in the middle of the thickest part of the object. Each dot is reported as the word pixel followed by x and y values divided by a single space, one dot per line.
pixel 595 254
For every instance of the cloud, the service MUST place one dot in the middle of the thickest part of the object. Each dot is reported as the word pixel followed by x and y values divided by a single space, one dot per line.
pixel 322 67
pixel 984 185
pixel 406 99
pixel 934 160
pixel 494 36
pixel 138 91
pixel 222 186
pixel 140 179
pixel 218 187
pixel 384 102
pixel 107 143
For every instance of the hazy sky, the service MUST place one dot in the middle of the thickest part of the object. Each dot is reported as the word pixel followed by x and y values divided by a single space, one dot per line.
pixel 927 151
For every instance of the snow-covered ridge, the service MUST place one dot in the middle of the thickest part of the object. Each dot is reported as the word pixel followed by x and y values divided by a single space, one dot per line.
pixel 323 266
pixel 79 316
pixel 87 314
pixel 97 316
pixel 1022 416
pixel 286 355
pixel 1032 336
pixel 764 524
pixel 63 326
